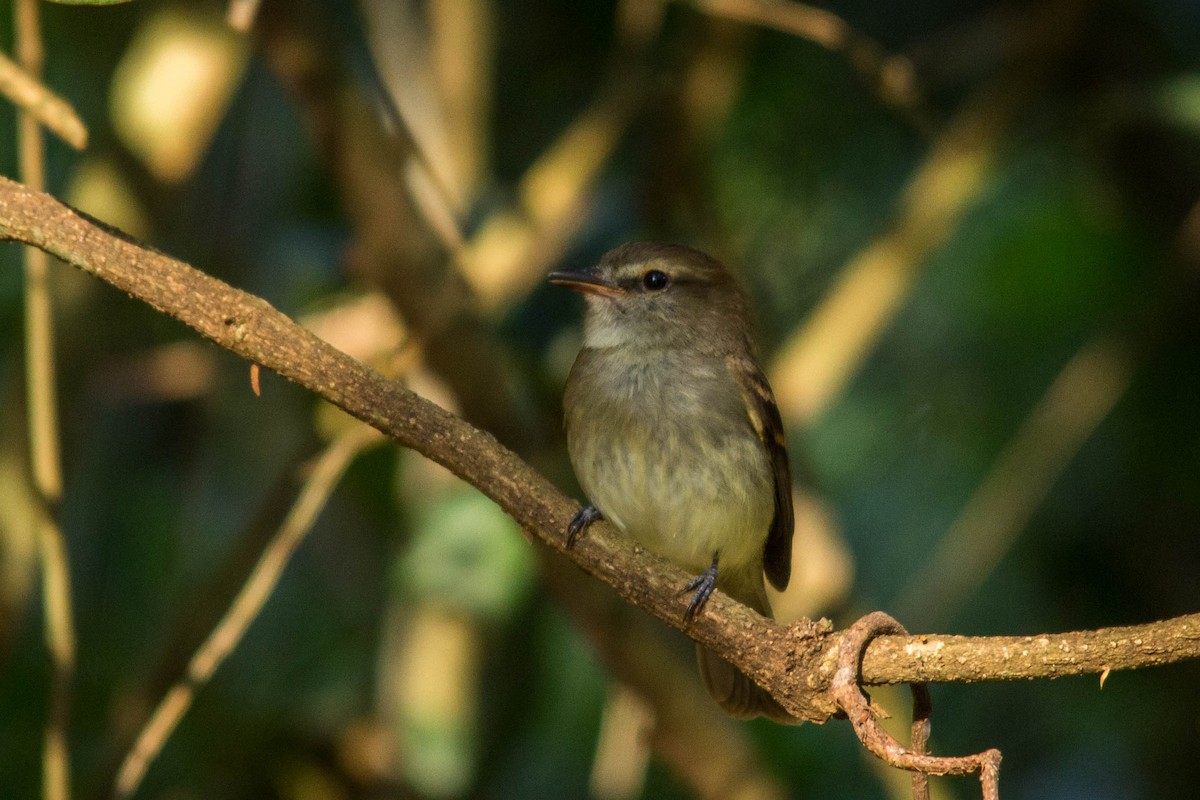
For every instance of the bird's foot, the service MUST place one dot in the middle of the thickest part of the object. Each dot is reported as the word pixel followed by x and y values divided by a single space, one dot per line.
pixel 586 516
pixel 705 584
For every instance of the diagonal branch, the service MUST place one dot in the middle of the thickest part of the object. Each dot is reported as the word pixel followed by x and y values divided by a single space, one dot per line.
pixel 796 663
pixel 251 328
pixel 892 77
pixel 35 99
pixel 327 471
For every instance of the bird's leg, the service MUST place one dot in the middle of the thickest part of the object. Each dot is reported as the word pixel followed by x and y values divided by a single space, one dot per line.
pixel 586 516
pixel 704 584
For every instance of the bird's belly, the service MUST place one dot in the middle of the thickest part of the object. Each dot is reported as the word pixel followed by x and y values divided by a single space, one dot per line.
pixel 684 496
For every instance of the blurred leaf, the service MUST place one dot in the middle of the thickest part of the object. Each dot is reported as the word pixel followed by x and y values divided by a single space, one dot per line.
pixel 468 554
pixel 171 88
pixel 1180 100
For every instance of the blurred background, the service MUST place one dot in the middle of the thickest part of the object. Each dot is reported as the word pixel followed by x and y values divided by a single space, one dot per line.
pixel 971 231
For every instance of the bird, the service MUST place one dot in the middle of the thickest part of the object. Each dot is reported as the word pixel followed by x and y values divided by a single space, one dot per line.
pixel 675 436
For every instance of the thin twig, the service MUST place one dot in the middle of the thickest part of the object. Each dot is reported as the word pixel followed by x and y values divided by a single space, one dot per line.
pixel 1076 403
pixel 34 98
pixel 425 178
pixel 918 740
pixel 60 638
pixel 514 248
pixel 816 363
pixel 326 473
pixel 818 360
pixel 892 77
pixel 44 455
pixel 39 332
pixel 462 46
pixel 393 248
pixel 850 698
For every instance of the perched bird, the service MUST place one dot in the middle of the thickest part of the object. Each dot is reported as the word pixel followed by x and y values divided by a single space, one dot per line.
pixel 675 437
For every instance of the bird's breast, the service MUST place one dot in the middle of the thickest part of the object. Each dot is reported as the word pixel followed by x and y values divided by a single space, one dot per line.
pixel 663 447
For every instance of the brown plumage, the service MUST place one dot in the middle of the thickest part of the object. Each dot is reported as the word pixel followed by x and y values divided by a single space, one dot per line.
pixel 675 436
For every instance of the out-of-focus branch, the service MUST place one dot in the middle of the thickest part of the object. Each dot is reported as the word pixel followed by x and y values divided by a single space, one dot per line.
pixel 326 472
pixel 815 364
pixel 1075 404
pixel 394 247
pixel 461 54
pixel 514 248
pixel 45 458
pixel 1078 400
pixel 19 521
pixel 795 662
pixel 891 77
pixel 33 98
pixel 241 13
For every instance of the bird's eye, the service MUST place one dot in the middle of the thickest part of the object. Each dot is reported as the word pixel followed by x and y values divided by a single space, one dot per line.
pixel 655 279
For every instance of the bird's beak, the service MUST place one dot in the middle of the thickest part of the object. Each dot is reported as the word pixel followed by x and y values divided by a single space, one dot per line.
pixel 586 283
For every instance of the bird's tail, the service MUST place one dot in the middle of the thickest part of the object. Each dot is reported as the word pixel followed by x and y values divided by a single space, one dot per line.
pixel 733 690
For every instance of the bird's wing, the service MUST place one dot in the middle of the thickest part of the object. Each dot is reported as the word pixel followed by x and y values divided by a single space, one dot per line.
pixel 765 419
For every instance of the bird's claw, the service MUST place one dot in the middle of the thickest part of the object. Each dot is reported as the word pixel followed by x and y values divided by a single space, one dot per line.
pixel 704 584
pixel 580 522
